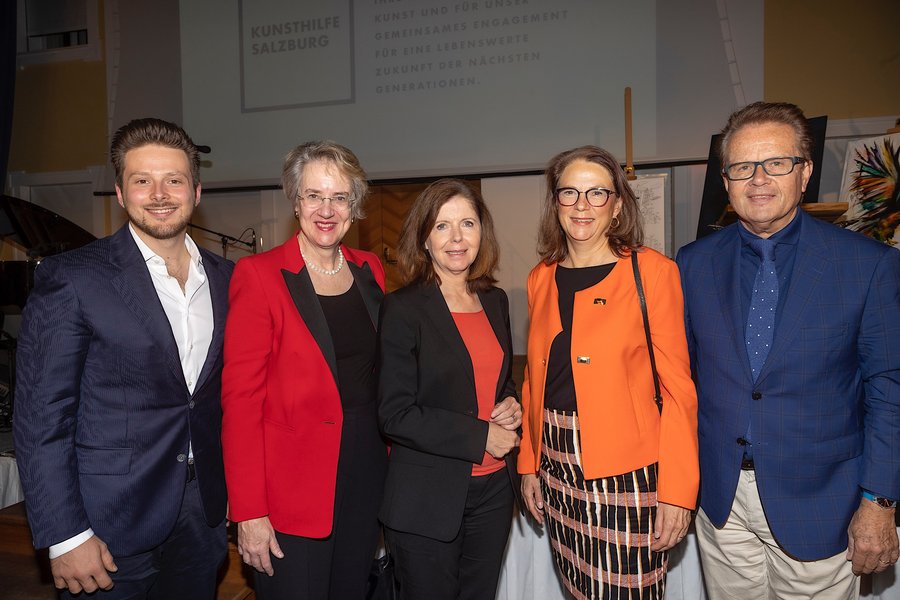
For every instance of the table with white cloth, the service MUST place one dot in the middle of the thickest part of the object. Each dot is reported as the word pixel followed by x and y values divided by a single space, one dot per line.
pixel 529 573
pixel 10 486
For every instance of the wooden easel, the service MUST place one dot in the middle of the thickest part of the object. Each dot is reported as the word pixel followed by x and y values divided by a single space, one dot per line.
pixel 629 143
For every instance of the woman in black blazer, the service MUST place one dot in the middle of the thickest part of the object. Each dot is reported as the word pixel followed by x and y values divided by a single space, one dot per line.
pixel 447 401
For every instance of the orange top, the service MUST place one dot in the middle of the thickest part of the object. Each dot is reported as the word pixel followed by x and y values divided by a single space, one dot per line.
pixel 487 360
pixel 621 428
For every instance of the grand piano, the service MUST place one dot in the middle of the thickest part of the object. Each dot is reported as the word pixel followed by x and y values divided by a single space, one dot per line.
pixel 37 232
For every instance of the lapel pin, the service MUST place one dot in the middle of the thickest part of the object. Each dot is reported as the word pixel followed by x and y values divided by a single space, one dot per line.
pixel 583 360
pixel 600 301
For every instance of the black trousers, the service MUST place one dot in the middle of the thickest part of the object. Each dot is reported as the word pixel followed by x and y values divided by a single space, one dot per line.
pixel 467 567
pixel 337 567
pixel 183 567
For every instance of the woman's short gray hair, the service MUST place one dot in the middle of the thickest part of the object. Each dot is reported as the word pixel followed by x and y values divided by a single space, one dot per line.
pixel 331 152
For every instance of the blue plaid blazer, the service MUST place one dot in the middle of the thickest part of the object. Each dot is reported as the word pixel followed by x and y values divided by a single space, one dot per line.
pixel 825 411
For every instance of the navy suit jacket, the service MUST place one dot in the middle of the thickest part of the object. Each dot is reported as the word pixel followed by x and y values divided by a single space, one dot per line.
pixel 825 410
pixel 103 416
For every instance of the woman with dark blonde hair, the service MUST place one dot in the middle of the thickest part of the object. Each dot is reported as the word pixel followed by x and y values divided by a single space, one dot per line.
pixel 447 401
pixel 614 473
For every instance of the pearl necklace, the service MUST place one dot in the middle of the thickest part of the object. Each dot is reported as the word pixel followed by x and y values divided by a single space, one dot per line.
pixel 318 269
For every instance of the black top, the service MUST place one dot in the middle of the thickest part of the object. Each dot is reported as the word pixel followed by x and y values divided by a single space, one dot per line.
pixel 559 392
pixel 353 336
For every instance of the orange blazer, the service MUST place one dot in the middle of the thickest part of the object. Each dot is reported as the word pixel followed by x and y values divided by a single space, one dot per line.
pixel 621 428
pixel 281 409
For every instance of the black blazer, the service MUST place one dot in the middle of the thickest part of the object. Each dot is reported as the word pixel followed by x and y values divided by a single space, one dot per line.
pixel 428 408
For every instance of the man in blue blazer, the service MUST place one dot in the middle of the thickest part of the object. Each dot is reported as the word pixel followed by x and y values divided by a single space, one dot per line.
pixel 118 417
pixel 799 418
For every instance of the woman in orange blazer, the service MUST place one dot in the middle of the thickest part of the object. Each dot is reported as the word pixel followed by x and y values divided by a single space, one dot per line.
pixel 304 461
pixel 615 479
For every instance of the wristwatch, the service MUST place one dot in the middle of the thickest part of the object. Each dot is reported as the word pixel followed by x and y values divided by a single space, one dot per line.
pixel 879 500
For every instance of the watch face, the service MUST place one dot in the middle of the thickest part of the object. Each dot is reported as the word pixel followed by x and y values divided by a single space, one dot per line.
pixel 885 503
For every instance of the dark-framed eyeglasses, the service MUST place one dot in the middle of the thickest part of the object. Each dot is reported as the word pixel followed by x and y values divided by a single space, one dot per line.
pixel 776 167
pixel 596 197
pixel 313 200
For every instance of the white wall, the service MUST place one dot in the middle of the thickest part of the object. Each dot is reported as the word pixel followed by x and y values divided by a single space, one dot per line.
pixel 515 203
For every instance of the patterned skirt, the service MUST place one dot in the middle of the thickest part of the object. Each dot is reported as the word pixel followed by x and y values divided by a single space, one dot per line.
pixel 600 529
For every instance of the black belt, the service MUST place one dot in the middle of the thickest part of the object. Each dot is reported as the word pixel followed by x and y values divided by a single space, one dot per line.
pixel 747 464
pixel 191 471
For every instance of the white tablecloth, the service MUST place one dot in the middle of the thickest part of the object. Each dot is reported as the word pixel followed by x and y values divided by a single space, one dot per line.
pixel 10 486
pixel 528 571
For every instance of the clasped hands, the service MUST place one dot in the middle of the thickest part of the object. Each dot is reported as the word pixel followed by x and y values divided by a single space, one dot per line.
pixel 506 418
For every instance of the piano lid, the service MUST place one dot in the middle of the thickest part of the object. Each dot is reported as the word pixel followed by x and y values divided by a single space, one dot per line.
pixel 39 231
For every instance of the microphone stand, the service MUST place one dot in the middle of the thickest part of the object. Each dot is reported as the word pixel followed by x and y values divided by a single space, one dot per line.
pixel 226 239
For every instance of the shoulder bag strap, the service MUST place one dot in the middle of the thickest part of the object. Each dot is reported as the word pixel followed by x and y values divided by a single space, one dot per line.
pixel 640 290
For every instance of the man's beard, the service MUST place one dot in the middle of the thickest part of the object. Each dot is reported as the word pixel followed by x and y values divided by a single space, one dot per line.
pixel 162 231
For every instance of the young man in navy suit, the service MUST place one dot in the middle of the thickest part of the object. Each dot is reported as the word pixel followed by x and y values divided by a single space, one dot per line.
pixel 118 414
pixel 792 326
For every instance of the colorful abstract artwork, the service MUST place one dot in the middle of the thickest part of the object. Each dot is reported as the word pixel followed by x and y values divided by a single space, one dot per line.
pixel 869 187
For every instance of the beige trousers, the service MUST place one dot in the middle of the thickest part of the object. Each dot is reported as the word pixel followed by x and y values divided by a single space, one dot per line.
pixel 742 560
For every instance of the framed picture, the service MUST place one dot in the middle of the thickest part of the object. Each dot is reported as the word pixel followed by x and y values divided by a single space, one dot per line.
pixel 652 193
pixel 869 187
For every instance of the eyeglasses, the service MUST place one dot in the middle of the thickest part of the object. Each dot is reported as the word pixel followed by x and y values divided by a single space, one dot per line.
pixel 596 197
pixel 776 167
pixel 314 201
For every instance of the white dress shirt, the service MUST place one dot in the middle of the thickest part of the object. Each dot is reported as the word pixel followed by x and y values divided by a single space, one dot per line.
pixel 190 315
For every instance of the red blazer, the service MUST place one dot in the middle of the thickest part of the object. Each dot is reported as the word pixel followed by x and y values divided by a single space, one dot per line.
pixel 621 429
pixel 281 409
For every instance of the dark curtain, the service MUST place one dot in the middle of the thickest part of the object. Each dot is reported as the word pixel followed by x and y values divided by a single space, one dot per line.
pixel 7 81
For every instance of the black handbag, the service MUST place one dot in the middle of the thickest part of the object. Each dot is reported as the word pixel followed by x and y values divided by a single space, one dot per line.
pixel 382 584
pixel 640 291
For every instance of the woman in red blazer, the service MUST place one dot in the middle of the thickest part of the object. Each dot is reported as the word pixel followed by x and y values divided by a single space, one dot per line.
pixel 615 479
pixel 304 462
